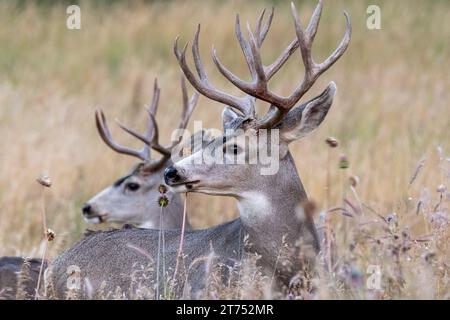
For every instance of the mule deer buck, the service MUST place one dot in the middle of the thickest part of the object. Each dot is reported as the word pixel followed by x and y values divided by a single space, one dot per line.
pixel 268 215
pixel 133 199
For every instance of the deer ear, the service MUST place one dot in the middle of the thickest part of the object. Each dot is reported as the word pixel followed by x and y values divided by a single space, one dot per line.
pixel 228 115
pixel 303 119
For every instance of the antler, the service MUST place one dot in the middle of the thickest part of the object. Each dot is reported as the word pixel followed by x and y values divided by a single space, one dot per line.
pixel 151 137
pixel 188 108
pixel 244 105
pixel 105 134
pixel 258 87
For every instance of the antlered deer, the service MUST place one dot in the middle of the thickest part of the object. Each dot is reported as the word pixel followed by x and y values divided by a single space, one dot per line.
pixel 267 203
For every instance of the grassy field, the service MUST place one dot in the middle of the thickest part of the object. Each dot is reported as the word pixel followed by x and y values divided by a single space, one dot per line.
pixel 391 117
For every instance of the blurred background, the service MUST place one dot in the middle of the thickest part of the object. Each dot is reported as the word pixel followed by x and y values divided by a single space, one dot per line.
pixel 391 110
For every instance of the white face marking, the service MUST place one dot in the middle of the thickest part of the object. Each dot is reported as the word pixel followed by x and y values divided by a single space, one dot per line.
pixel 253 206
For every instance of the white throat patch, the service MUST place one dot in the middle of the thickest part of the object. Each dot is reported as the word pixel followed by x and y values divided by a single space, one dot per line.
pixel 254 205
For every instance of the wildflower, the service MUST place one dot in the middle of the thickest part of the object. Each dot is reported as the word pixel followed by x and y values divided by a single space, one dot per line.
pixel 343 162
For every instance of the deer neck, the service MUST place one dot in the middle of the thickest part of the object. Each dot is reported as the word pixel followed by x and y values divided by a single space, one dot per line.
pixel 270 216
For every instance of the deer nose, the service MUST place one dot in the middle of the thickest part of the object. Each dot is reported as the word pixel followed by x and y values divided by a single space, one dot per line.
pixel 171 175
pixel 86 209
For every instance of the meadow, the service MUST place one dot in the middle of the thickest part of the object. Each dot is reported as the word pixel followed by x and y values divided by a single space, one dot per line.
pixel 391 117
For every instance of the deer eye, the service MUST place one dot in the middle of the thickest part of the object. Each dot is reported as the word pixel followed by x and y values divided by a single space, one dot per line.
pixel 132 186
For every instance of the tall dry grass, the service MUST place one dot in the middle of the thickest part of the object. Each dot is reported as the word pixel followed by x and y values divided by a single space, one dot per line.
pixel 391 111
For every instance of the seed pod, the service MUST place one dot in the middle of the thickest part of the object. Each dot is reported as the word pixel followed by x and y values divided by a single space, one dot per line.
pixel 163 201
pixel 354 181
pixel 162 189
pixel 332 142
pixel 44 181
pixel 50 235
pixel 441 188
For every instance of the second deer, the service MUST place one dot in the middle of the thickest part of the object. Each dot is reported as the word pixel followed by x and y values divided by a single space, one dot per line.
pixel 133 199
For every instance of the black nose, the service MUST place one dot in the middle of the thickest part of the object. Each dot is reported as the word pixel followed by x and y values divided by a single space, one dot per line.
pixel 171 175
pixel 86 209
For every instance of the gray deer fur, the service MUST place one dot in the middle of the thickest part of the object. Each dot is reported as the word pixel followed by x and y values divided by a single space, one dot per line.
pixel 19 277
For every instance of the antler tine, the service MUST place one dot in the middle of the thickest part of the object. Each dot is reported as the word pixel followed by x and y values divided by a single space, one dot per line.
pixel 340 49
pixel 154 143
pixel 188 108
pixel 260 36
pixel 202 83
pixel 153 165
pixel 260 73
pixel 313 24
pixel 134 133
pixel 188 104
pixel 305 44
pixel 106 136
pixel 260 80
pixel 155 99
pixel 147 138
pixel 152 109
pixel 312 69
pixel 244 45
pixel 262 33
pixel 281 60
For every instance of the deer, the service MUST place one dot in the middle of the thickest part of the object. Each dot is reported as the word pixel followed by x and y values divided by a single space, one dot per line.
pixel 133 198
pixel 269 216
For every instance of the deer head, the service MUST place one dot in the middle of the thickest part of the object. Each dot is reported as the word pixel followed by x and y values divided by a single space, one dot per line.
pixel 134 197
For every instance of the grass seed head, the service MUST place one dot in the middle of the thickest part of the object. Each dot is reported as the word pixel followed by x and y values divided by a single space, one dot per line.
pixel 332 142
pixel 441 188
pixel 162 189
pixel 45 181
pixel 50 235
pixel 354 181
